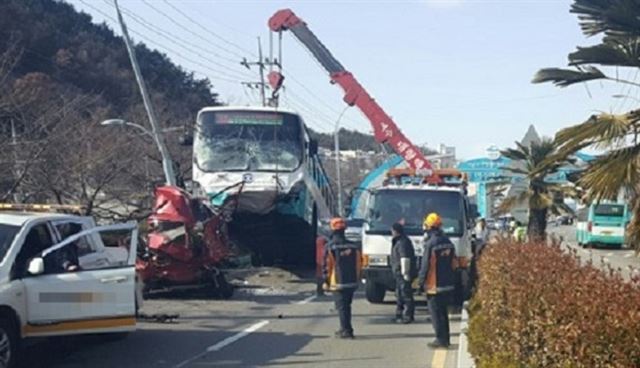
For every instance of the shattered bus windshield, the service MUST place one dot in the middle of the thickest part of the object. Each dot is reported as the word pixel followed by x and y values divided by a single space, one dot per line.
pixel 411 206
pixel 248 140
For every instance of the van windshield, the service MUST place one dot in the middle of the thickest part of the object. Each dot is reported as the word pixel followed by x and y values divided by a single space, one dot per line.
pixel 609 210
pixel 7 233
pixel 411 206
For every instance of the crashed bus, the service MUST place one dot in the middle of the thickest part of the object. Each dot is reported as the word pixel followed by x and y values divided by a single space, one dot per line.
pixel 264 160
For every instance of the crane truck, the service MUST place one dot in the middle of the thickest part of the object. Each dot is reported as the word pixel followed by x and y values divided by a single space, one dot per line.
pixel 405 195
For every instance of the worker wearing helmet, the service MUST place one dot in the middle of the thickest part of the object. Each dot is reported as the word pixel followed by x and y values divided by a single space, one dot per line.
pixel 518 231
pixel 341 272
pixel 437 276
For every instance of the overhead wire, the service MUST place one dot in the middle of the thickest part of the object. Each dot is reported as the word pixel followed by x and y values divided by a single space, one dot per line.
pixel 288 73
pixel 323 115
pixel 328 106
pixel 181 26
pixel 224 76
pixel 206 29
pixel 180 42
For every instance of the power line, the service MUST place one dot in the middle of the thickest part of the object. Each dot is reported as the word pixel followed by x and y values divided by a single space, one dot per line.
pixel 326 116
pixel 178 24
pixel 211 32
pixel 180 41
pixel 226 77
pixel 328 106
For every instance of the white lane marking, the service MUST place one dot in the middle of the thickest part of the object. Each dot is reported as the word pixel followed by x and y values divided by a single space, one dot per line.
pixel 228 341
pixel 610 254
pixel 628 255
pixel 306 300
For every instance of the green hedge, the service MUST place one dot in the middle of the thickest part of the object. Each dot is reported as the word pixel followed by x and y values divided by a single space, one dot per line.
pixel 537 306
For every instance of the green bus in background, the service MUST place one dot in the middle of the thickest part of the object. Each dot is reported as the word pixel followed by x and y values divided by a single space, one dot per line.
pixel 602 224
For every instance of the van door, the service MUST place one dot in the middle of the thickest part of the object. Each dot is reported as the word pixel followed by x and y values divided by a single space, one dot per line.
pixel 75 300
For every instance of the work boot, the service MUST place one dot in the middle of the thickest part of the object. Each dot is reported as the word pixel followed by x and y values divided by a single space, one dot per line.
pixel 406 320
pixel 437 344
pixel 341 334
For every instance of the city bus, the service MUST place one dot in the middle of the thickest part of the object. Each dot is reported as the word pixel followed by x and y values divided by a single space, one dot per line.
pixel 602 224
pixel 268 159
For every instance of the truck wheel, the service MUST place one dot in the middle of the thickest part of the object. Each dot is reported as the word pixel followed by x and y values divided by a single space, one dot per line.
pixel 9 341
pixel 374 292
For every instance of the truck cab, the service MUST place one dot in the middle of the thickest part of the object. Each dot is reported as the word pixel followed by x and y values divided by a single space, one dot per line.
pixel 408 203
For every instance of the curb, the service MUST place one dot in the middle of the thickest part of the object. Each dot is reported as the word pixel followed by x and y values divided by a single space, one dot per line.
pixel 464 358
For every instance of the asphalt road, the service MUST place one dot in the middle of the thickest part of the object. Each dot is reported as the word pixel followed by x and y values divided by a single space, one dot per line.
pixel 623 259
pixel 275 321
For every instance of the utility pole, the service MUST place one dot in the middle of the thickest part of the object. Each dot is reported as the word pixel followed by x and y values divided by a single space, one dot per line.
pixel 262 63
pixel 167 163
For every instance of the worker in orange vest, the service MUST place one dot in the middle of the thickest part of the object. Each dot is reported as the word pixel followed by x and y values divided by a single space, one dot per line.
pixel 437 276
pixel 321 243
pixel 341 271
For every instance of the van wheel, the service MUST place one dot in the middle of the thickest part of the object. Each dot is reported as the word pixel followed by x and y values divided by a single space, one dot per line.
pixel 9 342
pixel 374 292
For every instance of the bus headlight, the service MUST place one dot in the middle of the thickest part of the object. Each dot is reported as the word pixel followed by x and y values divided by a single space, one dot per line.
pixel 378 261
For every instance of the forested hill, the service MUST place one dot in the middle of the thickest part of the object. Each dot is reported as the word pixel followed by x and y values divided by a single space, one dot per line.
pixel 47 44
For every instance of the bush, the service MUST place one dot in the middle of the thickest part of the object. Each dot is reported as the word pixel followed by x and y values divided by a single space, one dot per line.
pixel 537 306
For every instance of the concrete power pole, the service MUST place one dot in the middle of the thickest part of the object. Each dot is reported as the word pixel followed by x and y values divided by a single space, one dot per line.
pixel 167 163
pixel 262 65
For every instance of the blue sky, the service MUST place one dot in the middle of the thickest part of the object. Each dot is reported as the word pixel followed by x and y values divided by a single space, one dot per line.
pixel 456 72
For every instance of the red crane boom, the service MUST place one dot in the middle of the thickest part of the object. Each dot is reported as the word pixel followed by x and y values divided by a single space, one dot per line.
pixel 384 128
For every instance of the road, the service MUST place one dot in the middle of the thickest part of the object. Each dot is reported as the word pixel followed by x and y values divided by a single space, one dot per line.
pixel 623 259
pixel 273 321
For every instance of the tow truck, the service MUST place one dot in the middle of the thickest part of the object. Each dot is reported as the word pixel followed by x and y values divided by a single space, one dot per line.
pixel 40 296
pixel 406 197
pixel 412 189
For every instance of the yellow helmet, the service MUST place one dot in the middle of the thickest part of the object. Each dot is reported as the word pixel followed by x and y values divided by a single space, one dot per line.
pixel 432 220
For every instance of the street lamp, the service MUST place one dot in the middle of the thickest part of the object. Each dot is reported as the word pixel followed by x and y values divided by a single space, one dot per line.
pixel 137 126
pixel 167 164
pixel 127 123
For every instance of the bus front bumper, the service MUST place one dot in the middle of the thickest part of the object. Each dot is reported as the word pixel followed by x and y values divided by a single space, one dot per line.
pixel 606 239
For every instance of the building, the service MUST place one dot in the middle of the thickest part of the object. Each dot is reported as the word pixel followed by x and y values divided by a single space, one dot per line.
pixel 491 183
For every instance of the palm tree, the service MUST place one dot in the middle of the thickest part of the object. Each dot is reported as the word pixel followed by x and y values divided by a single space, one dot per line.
pixel 534 164
pixel 619 168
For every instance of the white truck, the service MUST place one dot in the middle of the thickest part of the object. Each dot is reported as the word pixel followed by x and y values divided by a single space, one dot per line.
pixel 94 292
pixel 409 200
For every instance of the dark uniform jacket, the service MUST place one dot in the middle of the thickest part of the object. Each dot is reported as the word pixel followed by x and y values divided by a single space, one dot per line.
pixel 402 247
pixel 342 263
pixel 437 273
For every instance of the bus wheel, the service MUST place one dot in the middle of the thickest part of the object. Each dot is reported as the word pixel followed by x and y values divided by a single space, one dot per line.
pixel 374 292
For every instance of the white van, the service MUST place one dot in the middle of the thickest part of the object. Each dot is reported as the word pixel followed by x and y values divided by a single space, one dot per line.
pixel 39 297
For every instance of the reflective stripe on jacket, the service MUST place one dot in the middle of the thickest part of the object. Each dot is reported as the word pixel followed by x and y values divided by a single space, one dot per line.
pixel 342 263
pixel 439 261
